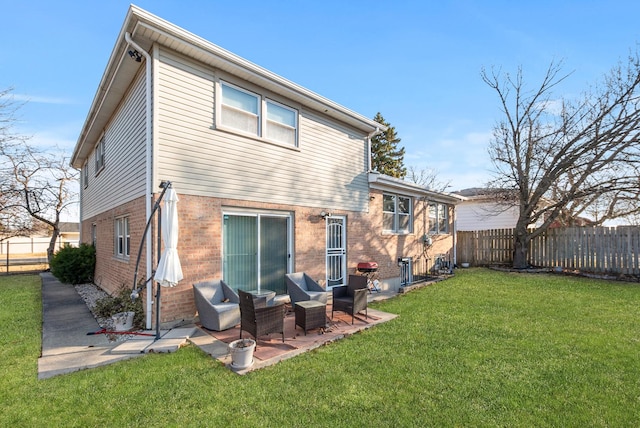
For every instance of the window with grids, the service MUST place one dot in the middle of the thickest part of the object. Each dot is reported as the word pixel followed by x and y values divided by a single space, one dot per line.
pixel 253 114
pixel 438 218
pixel 122 238
pixel 397 213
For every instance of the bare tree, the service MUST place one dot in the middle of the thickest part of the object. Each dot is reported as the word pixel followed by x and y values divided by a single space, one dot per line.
pixel 560 159
pixel 13 220
pixel 427 177
pixel 36 187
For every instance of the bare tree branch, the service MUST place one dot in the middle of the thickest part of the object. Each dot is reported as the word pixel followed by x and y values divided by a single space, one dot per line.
pixel 566 159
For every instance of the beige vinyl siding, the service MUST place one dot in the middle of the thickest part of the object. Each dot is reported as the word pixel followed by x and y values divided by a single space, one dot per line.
pixel 123 177
pixel 327 170
pixel 484 216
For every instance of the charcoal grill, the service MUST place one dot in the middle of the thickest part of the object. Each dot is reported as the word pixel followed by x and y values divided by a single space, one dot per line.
pixel 369 269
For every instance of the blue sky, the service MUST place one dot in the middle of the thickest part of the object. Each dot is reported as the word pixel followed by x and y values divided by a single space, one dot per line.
pixel 416 62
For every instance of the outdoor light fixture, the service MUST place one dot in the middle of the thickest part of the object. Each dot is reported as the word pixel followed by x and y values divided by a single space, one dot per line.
pixel 325 214
pixel 135 55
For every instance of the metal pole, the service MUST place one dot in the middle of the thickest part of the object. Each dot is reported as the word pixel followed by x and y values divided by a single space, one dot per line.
pixel 158 284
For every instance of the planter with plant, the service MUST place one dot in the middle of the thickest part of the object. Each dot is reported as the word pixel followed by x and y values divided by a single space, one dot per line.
pixel 242 353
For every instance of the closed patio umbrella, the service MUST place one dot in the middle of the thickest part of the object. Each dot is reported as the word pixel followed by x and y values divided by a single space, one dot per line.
pixel 169 271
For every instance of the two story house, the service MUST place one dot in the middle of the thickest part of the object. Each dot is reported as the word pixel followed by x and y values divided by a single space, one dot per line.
pixel 271 177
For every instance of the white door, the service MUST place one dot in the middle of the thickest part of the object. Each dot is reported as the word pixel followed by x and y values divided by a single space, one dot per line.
pixel 336 251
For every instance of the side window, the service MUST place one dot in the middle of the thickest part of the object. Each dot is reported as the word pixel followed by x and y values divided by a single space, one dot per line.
pixel 122 238
pixel 100 155
pixel 438 218
pixel 85 174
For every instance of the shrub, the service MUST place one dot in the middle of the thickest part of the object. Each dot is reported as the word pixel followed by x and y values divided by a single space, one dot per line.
pixel 121 302
pixel 74 265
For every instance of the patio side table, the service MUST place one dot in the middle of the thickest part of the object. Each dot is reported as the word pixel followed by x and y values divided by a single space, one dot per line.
pixel 310 314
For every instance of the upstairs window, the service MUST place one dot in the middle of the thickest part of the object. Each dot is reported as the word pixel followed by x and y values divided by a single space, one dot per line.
pixel 253 114
pixel 100 155
pixel 122 238
pixel 282 123
pixel 438 218
pixel 397 213
pixel 240 109
pixel 85 174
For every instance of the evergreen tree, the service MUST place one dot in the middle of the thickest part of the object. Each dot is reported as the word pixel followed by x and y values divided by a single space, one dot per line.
pixel 386 157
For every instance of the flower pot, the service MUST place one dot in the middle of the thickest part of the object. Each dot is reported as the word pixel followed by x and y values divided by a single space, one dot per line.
pixel 242 353
pixel 464 265
pixel 123 321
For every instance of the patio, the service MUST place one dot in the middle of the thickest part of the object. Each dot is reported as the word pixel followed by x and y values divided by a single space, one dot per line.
pixel 270 349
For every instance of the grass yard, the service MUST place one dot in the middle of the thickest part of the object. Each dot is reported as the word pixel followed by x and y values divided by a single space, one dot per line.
pixel 483 348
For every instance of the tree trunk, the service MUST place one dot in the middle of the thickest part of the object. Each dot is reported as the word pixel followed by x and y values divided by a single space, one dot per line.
pixel 520 248
pixel 52 243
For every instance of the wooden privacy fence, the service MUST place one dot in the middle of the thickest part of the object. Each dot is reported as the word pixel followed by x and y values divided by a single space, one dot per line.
pixel 589 249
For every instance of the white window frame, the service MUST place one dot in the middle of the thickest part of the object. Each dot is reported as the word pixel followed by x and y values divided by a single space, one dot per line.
pixel 397 214
pixel 85 174
pixel 286 125
pixel 122 244
pixel 258 114
pixel 99 160
pixel 435 209
pixel 263 121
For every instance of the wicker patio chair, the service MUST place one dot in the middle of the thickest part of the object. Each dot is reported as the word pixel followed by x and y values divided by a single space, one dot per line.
pixel 259 319
pixel 351 298
pixel 217 304
pixel 301 287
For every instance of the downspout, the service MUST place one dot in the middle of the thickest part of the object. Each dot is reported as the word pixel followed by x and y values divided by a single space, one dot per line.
pixel 148 176
pixel 455 241
pixel 369 137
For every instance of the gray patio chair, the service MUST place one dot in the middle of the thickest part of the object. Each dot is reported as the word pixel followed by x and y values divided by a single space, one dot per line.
pixel 217 304
pixel 351 298
pixel 301 287
pixel 257 318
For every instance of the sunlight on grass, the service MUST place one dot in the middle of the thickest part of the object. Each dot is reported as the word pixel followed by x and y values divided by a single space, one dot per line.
pixel 483 348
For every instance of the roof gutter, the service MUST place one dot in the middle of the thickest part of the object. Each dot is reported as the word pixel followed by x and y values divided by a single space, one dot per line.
pixel 148 173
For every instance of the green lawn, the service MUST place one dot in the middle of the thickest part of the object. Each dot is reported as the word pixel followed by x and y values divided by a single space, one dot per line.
pixel 483 348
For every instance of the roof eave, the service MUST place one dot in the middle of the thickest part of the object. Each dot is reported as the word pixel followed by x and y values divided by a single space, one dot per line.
pixel 385 182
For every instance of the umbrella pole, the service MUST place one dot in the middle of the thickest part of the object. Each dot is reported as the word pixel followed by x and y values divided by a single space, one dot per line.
pixel 158 311
pixel 158 284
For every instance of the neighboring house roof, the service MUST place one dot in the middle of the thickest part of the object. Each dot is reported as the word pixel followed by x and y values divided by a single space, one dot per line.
pixel 385 182
pixel 148 29
pixel 69 227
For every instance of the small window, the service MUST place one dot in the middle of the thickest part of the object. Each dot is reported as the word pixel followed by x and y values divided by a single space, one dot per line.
pixel 397 213
pixel 122 238
pixel 282 123
pixel 100 155
pixel 438 218
pixel 85 174
pixel 94 234
pixel 240 109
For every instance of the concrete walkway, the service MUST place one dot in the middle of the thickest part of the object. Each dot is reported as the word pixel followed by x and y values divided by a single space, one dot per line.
pixel 66 347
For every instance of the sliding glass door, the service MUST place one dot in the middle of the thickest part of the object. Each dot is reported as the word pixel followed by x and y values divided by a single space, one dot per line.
pixel 256 251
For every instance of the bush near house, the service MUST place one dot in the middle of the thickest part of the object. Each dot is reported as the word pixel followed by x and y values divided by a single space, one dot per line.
pixel 74 265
